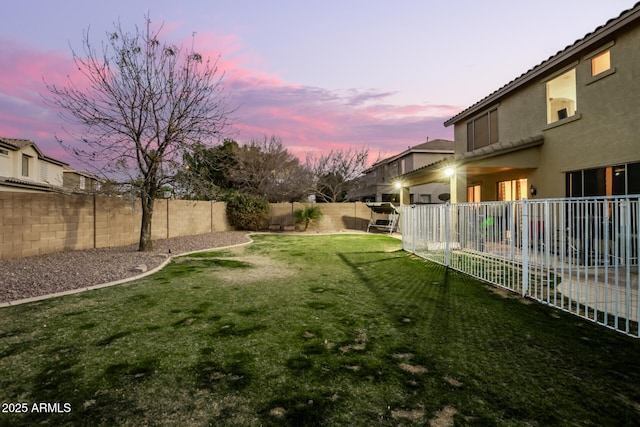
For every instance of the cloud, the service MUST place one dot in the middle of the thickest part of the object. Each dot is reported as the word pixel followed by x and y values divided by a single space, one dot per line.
pixel 311 119
pixel 308 119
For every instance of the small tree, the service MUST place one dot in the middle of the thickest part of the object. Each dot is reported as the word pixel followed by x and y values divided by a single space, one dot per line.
pixel 266 168
pixel 206 172
pixel 246 211
pixel 145 104
pixel 335 171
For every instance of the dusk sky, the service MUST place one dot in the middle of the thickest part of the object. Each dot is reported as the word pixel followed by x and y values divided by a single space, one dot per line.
pixel 321 75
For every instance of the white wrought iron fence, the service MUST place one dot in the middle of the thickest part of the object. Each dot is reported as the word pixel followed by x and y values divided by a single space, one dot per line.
pixel 579 255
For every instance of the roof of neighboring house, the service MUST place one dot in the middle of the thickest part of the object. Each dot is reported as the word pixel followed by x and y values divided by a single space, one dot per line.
pixel 21 183
pixel 16 144
pixel 79 172
pixel 481 153
pixel 613 25
pixel 436 146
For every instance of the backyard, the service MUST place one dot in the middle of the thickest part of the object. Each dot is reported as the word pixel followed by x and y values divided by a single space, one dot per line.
pixel 310 330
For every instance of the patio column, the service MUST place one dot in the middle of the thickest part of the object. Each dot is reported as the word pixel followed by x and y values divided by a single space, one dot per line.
pixel 458 186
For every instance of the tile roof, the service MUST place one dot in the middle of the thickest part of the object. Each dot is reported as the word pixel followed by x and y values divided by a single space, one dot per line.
pixel 433 146
pixel 22 183
pixel 612 25
pixel 481 153
pixel 17 143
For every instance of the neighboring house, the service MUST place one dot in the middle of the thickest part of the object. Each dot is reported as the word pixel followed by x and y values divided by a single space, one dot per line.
pixel 568 127
pixel 23 167
pixel 379 181
pixel 80 181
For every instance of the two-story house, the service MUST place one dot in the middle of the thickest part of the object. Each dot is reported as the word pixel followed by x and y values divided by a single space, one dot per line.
pixel 80 181
pixel 568 127
pixel 381 179
pixel 23 167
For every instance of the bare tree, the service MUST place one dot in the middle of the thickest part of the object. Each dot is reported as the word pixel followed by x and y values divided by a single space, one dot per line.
pixel 142 105
pixel 266 168
pixel 335 172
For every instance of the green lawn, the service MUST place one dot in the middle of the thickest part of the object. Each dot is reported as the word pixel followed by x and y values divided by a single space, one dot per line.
pixel 311 330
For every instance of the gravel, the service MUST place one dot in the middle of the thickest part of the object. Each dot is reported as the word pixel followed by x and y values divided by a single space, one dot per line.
pixel 64 271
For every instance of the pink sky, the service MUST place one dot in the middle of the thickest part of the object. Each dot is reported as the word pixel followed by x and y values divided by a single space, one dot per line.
pixel 337 76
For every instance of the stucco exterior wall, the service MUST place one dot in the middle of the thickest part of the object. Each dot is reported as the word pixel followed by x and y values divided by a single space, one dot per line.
pixel 604 131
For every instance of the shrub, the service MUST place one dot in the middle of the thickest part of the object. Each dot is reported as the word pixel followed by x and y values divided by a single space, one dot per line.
pixel 246 211
pixel 307 215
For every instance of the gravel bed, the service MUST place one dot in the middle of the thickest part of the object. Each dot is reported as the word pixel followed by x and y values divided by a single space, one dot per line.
pixel 64 271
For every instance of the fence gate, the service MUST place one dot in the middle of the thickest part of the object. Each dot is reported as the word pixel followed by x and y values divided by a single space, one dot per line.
pixel 579 255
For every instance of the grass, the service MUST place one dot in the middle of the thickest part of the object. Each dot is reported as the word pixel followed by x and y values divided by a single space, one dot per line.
pixel 312 330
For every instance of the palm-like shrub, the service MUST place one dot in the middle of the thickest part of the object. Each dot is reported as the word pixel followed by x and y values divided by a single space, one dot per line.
pixel 307 215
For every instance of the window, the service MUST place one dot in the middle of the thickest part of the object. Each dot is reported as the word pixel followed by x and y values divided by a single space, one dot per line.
pixel 44 171
pixel 561 97
pixel 82 183
pixel 601 63
pixel 425 198
pixel 4 152
pixel 483 130
pixel 614 180
pixel 25 165
pixel 515 189
pixel 473 193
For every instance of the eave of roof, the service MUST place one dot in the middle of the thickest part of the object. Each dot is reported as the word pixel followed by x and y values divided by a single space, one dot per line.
pixel 20 183
pixel 420 148
pixel 79 172
pixel 611 26
pixel 492 150
pixel 15 144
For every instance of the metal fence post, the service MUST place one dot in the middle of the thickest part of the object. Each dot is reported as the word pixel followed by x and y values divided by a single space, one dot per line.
pixel 447 231
pixel 525 247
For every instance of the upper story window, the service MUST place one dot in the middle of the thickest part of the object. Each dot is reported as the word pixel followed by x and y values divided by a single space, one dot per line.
pixel 82 183
pixel 561 97
pixel 4 152
pixel 601 63
pixel 482 130
pixel 25 165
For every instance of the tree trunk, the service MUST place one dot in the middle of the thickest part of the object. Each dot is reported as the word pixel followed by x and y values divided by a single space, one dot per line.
pixel 146 244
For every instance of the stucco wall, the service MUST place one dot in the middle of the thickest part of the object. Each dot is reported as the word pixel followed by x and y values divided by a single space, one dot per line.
pixel 603 133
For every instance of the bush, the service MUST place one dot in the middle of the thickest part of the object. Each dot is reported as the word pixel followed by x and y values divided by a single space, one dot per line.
pixel 307 215
pixel 246 211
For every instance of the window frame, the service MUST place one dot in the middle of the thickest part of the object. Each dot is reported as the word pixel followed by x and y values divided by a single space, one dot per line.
pixel 518 189
pixel 589 58
pixel 26 165
pixel 583 182
pixel 491 127
pixel 549 99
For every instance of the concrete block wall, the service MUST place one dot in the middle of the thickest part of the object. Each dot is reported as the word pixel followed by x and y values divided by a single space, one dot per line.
pixel 41 223
pixel 335 216
pixel 117 221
